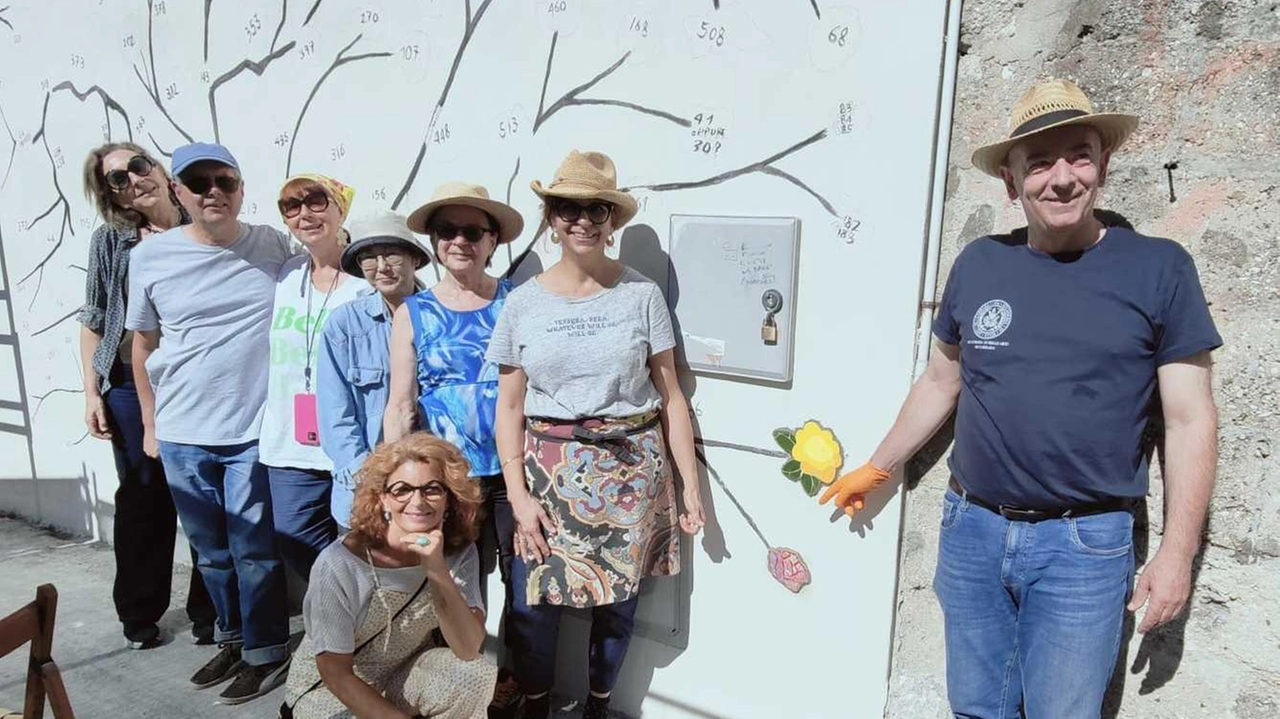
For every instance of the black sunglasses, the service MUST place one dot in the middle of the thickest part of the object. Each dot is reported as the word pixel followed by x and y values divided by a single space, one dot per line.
pixel 316 201
pixel 596 212
pixel 201 184
pixel 138 165
pixel 449 231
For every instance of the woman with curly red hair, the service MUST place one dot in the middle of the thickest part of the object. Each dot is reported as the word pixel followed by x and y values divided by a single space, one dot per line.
pixel 393 615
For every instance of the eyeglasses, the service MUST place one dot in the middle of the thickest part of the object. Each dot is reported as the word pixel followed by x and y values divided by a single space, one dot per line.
pixel 596 212
pixel 316 201
pixel 403 491
pixel 368 259
pixel 470 233
pixel 138 165
pixel 201 184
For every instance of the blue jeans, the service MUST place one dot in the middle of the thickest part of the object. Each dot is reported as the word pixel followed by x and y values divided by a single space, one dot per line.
pixel 300 507
pixel 1033 611
pixel 532 632
pixel 225 506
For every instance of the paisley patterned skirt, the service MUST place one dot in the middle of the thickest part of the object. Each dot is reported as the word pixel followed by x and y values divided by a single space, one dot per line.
pixel 604 483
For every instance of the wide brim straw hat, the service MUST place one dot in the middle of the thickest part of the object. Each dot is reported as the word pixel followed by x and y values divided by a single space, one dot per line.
pixel 380 228
pixel 1049 105
pixel 590 176
pixel 510 222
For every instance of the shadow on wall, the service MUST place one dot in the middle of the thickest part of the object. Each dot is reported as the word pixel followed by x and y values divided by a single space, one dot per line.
pixel 69 504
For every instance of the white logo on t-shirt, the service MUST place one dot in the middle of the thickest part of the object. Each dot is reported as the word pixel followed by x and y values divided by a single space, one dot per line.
pixel 992 319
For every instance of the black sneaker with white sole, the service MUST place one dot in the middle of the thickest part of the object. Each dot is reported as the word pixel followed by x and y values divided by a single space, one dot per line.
pixel 223 665
pixel 254 681
pixel 146 638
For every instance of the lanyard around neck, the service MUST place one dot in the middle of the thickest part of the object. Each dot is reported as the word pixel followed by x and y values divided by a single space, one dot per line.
pixel 312 329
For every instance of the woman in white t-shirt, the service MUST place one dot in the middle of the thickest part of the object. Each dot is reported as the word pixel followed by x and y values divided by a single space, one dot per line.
pixel 393 616
pixel 309 287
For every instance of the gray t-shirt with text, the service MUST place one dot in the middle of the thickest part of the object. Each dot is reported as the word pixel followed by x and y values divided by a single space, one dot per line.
pixel 212 306
pixel 585 357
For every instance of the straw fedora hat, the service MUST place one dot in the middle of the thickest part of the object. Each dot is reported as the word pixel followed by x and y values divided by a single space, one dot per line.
pixel 590 176
pixel 1051 104
pixel 510 223
pixel 382 227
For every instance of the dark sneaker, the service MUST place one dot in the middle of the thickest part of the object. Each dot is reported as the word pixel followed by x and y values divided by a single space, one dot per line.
pixel 223 665
pixel 148 638
pixel 254 681
pixel 506 697
pixel 202 634
pixel 596 707
pixel 539 708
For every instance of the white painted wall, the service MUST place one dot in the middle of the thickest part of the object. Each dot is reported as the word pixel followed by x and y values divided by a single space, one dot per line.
pixel 773 73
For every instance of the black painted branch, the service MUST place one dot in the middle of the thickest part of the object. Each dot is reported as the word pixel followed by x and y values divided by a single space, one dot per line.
pixel 338 61
pixel 311 12
pixel 6 22
pixel 57 201
pixel 284 13
pixel 472 21
pixel 13 148
pixel 816 11
pixel 799 183
pixel 56 322
pixel 62 199
pixel 108 103
pixel 681 121
pixel 159 148
pixel 711 472
pixel 257 68
pixel 40 398
pixel 511 182
pixel 570 97
pixel 208 7
pixel 151 82
pixel 724 176
pixel 775 453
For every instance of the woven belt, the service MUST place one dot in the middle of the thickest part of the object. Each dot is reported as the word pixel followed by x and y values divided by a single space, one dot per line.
pixel 1020 514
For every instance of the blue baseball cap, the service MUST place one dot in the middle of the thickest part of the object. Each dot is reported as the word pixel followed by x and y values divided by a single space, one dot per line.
pixel 187 155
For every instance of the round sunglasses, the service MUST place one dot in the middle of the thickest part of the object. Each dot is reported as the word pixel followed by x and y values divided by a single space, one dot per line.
pixel 596 212
pixel 316 201
pixel 138 165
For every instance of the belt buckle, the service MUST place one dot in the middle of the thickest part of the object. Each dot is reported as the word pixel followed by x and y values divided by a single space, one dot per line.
pixel 1021 515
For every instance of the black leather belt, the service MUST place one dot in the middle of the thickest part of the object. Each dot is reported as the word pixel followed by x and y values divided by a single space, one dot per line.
pixel 1020 514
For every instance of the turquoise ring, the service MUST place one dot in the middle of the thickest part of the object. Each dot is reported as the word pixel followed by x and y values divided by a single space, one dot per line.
pixel 424 541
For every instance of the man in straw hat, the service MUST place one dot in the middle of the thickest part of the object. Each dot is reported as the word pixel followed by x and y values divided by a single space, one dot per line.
pixel 1052 343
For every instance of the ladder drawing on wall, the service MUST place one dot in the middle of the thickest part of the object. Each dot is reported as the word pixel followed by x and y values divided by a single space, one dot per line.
pixel 10 341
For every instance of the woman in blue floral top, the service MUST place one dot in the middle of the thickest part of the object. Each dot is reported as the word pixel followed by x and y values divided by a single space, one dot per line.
pixel 439 338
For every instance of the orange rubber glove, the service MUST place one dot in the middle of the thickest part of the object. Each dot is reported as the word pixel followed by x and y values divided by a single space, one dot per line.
pixel 850 490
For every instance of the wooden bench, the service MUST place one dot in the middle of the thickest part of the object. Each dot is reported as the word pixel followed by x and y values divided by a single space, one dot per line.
pixel 34 623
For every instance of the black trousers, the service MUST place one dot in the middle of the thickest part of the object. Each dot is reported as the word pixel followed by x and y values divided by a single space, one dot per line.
pixel 145 524
pixel 496 536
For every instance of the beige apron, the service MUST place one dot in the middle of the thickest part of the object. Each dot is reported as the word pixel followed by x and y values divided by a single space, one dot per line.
pixel 402 662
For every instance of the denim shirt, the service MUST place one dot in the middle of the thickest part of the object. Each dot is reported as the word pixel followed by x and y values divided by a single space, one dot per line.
pixel 353 377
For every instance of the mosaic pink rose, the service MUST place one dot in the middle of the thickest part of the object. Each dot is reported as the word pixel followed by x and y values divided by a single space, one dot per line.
pixel 788 567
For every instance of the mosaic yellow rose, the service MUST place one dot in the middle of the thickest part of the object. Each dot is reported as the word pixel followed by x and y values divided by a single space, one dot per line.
pixel 818 452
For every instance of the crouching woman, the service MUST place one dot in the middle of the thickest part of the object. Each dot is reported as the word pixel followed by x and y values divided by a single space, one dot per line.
pixel 393 616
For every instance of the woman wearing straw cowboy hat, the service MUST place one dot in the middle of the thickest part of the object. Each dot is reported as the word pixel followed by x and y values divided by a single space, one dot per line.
pixel 588 384
pixel 309 287
pixel 1050 342
pixel 353 373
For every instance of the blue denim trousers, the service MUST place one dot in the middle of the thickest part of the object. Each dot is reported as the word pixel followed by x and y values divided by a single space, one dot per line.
pixel 1032 611
pixel 224 502
pixel 300 506
pixel 532 631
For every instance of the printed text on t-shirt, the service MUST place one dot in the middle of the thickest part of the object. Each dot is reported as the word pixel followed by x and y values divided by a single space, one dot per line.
pixel 588 326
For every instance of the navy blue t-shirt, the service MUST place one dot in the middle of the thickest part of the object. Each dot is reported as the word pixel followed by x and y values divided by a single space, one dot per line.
pixel 1058 359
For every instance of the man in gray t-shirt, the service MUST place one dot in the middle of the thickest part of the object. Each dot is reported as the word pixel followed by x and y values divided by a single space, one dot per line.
pixel 200 300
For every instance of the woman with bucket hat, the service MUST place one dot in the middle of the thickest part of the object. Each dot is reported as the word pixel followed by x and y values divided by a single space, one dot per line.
pixel 308 287
pixel 354 361
pixel 587 391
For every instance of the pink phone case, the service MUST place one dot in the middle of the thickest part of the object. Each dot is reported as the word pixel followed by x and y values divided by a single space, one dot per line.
pixel 306 426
